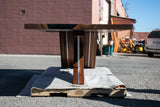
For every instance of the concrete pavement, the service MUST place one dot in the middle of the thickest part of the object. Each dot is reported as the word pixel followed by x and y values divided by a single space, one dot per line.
pixel 140 73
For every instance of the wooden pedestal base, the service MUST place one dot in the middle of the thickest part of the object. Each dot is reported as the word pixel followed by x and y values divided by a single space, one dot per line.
pixel 78 75
pixel 78 51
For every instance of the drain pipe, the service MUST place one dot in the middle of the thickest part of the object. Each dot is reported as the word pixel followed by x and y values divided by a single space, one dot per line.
pixel 100 21
pixel 100 14
pixel 109 21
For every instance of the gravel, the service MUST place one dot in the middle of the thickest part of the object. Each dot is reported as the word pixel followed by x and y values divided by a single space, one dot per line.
pixel 141 75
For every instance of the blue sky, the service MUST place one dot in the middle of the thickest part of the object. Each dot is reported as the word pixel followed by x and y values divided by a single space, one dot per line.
pixel 146 13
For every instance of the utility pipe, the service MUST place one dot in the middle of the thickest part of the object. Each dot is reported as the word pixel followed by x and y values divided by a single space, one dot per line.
pixel 100 6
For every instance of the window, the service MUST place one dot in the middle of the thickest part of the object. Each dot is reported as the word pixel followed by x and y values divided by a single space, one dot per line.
pixel 117 14
pixel 154 34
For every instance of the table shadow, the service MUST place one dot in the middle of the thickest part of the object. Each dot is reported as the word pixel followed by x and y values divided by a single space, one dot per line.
pixel 12 81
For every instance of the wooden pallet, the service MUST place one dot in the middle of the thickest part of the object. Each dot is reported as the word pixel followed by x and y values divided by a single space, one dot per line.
pixel 79 92
pixel 98 81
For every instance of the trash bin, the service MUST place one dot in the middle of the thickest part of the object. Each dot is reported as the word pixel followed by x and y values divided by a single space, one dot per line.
pixel 107 50
pixel 111 50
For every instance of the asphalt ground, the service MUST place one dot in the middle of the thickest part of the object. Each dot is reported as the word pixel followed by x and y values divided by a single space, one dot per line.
pixel 141 75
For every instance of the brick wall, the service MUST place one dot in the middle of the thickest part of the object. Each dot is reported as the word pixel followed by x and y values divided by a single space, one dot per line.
pixel 141 35
pixel 14 39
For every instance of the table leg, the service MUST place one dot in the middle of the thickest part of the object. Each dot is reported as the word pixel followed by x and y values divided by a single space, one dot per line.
pixel 78 74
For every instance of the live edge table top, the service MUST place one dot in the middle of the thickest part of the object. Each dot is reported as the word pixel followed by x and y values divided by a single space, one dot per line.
pixel 79 27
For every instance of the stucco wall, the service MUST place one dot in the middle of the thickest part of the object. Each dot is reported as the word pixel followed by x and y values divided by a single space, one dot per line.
pixel 100 12
pixel 116 6
pixel 95 12
pixel 105 12
pixel 120 9
pixel 100 15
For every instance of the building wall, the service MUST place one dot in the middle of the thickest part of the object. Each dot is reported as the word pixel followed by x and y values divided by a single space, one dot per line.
pixel 100 15
pixel 118 9
pixel 141 35
pixel 105 19
pixel 100 12
pixel 14 39
pixel 95 12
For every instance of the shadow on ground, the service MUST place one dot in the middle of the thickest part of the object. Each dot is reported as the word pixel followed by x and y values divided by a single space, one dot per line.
pixel 13 81
pixel 151 91
pixel 131 102
pixel 128 102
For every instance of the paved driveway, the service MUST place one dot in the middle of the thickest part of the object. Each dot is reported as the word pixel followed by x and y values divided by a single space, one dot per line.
pixel 140 73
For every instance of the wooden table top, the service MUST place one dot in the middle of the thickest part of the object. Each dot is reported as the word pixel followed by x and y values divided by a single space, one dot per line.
pixel 79 27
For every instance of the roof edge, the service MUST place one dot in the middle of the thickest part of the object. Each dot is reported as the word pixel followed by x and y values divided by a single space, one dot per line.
pixel 124 18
